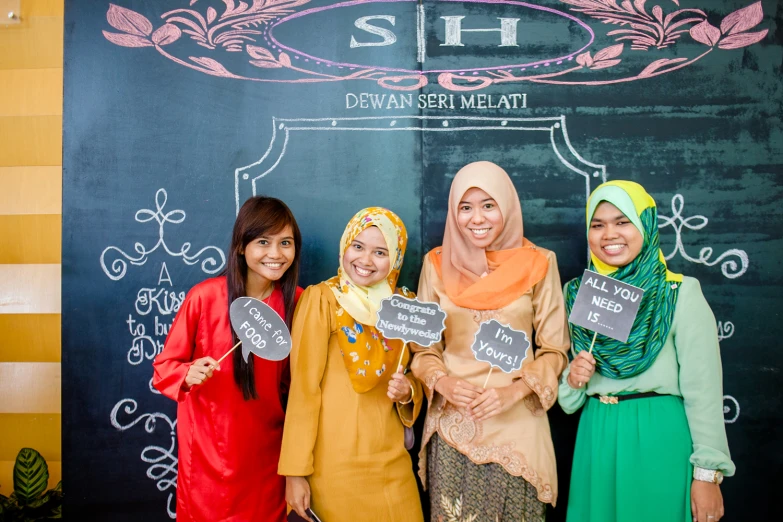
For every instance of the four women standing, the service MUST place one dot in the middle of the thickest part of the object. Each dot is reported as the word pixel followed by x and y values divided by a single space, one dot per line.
pixel 487 452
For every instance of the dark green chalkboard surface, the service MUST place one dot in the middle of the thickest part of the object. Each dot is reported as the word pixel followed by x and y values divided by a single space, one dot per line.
pixel 177 110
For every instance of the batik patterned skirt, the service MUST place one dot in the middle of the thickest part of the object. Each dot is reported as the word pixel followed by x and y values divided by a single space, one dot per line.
pixel 462 491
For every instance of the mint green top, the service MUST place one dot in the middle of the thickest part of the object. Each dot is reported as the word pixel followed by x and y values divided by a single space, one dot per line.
pixel 688 366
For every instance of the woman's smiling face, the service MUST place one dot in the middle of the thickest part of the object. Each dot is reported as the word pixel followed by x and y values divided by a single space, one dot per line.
pixel 479 217
pixel 366 260
pixel 612 237
pixel 268 257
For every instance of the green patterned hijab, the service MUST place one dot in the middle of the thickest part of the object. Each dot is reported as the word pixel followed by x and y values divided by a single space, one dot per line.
pixel 648 271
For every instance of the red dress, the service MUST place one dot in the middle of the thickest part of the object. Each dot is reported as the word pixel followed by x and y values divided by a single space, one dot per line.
pixel 228 447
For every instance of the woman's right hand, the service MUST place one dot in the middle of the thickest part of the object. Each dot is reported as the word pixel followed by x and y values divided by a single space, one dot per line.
pixel 582 370
pixel 200 370
pixel 297 494
pixel 458 392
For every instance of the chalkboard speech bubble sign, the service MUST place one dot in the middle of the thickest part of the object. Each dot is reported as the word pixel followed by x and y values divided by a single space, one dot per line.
pixel 260 329
pixel 411 320
pixel 500 345
pixel 606 305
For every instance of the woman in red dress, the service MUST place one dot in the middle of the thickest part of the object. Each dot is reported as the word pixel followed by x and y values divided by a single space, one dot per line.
pixel 230 416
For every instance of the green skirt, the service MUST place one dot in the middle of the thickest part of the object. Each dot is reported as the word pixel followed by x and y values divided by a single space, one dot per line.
pixel 631 462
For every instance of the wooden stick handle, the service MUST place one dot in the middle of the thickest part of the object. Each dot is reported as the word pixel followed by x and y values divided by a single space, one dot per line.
pixel 402 356
pixel 228 352
pixel 593 343
pixel 487 380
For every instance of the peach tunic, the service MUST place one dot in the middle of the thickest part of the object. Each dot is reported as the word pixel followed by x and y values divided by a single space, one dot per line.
pixel 518 439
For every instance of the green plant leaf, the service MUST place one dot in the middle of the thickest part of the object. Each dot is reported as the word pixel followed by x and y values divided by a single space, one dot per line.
pixel 10 511
pixel 45 507
pixel 31 475
pixel 40 501
pixel 57 512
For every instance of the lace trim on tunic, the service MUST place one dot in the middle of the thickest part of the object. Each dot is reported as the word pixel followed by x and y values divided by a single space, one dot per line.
pixel 480 316
pixel 460 431
pixel 431 380
pixel 544 397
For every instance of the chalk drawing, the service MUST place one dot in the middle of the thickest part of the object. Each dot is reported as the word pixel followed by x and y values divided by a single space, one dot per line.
pixel 246 29
pixel 725 330
pixel 731 268
pixel 731 409
pixel 247 178
pixel 117 268
pixel 163 460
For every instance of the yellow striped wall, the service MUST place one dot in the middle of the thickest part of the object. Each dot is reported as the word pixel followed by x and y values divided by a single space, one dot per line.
pixel 31 84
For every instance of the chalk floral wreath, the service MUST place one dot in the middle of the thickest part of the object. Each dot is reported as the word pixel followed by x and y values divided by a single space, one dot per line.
pixel 243 28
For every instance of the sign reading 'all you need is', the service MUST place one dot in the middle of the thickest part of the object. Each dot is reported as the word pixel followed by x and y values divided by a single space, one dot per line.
pixel 606 305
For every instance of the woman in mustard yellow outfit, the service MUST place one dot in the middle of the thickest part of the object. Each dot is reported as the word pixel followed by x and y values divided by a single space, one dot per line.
pixel 343 451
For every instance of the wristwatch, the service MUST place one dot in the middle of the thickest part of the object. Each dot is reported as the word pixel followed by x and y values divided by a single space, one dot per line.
pixel 707 475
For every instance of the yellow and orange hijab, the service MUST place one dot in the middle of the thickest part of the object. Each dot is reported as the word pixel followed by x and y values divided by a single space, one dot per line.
pixel 367 355
pixel 491 278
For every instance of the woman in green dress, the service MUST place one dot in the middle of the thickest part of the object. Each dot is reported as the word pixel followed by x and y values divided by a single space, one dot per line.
pixel 651 444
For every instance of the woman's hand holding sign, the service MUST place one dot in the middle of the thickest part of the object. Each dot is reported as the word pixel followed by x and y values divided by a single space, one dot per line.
pixel 400 389
pixel 200 371
pixel 506 349
pixel 582 370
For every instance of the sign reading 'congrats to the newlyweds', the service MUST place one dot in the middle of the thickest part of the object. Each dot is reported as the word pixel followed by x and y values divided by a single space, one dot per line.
pixel 411 320
pixel 606 306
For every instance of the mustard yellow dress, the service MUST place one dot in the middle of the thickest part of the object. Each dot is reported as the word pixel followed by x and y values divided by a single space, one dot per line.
pixel 349 446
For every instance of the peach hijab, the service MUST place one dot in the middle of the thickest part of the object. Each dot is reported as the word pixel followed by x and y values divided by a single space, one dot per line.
pixel 512 264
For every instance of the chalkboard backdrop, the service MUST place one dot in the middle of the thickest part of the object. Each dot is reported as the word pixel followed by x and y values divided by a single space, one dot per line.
pixel 177 110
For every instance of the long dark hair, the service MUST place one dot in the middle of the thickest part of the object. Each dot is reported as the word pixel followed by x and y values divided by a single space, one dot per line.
pixel 259 216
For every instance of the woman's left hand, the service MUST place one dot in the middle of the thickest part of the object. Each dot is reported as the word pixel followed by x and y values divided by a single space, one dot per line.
pixel 399 387
pixel 493 401
pixel 706 501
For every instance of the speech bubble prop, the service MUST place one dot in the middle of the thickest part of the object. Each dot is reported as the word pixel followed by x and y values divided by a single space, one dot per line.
pixel 606 306
pixel 259 328
pixel 411 320
pixel 500 345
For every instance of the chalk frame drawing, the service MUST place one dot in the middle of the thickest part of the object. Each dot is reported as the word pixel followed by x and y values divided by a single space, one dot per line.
pixel 246 178
pixel 246 29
